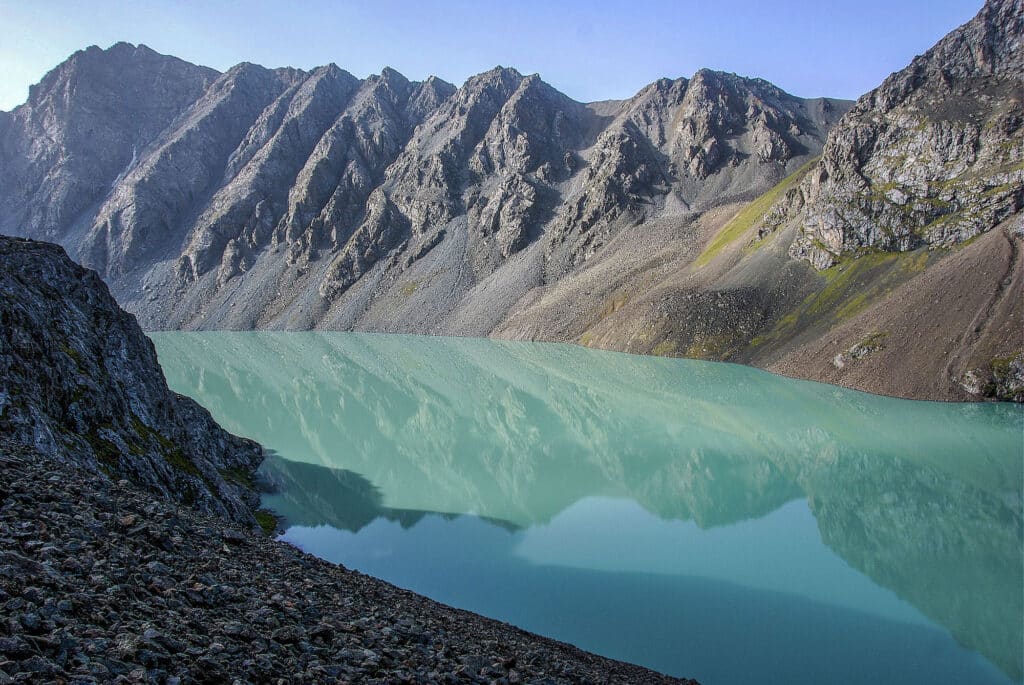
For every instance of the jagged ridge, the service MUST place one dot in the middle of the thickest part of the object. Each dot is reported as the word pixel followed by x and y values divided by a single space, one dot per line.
pixel 281 190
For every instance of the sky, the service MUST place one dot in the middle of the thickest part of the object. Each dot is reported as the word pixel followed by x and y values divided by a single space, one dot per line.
pixel 588 49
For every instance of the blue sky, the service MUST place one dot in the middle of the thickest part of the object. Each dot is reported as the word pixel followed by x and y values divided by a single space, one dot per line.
pixel 591 50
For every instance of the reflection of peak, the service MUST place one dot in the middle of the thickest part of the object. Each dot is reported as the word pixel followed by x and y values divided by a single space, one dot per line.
pixel 959 564
pixel 716 489
pixel 309 495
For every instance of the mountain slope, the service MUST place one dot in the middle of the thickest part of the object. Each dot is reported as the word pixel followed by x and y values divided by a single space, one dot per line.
pixel 892 264
pixel 285 199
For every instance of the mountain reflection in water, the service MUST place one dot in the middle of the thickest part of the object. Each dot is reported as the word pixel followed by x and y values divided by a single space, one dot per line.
pixel 539 464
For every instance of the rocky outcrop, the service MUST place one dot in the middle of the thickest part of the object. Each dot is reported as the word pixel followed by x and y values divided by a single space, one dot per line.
pixel 934 156
pixel 1002 379
pixel 80 382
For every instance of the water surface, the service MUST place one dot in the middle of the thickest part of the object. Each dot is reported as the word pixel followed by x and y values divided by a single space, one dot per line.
pixel 707 520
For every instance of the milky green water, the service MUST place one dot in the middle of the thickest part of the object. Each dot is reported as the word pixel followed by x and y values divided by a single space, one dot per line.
pixel 706 520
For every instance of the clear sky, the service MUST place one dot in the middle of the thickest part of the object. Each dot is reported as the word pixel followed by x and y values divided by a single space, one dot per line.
pixel 589 49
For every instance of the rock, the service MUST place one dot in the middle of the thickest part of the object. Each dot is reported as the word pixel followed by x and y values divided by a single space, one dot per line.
pixel 288 634
pixel 88 388
pixel 934 156
pixel 30 622
pixel 233 536
pixel 1003 379
pixel 157 567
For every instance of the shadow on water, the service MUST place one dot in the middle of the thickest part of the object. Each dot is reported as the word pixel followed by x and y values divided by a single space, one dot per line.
pixel 715 630
pixel 303 494
pixel 922 498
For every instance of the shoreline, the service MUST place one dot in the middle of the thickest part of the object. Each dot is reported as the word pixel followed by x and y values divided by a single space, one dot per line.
pixel 773 372
pixel 103 581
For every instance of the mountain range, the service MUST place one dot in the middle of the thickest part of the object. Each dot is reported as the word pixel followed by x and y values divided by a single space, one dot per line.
pixel 873 244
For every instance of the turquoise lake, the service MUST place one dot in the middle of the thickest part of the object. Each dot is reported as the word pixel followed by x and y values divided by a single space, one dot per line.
pixel 706 520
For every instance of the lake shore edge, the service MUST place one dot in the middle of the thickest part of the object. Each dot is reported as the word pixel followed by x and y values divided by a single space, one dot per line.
pixel 102 582
pixel 1012 381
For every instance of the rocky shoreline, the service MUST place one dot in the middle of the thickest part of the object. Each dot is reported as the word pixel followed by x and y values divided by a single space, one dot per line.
pixel 100 581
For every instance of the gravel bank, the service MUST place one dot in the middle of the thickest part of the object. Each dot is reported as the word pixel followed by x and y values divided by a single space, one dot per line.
pixel 102 582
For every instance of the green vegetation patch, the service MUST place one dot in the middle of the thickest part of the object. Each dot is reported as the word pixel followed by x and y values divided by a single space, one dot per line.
pixel 849 287
pixel 106 451
pixel 750 215
pixel 665 348
pixel 875 341
pixel 178 460
pixel 267 521
pixel 238 476
pixel 75 355
pixel 171 453
pixel 713 347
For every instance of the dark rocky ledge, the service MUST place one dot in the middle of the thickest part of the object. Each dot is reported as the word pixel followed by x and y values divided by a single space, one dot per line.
pixel 80 382
pixel 102 582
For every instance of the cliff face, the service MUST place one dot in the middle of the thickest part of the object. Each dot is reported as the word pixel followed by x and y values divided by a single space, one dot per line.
pixel 280 198
pixel 80 381
pixel 933 156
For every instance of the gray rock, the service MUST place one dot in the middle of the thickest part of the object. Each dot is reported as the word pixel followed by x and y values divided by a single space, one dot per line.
pixel 84 384
pixel 933 156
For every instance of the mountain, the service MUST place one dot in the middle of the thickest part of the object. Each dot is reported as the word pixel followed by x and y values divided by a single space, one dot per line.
pixel 892 264
pixel 715 217
pixel 290 199
pixel 79 382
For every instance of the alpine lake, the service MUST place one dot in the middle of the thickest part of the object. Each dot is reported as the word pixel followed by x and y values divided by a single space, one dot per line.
pixel 704 519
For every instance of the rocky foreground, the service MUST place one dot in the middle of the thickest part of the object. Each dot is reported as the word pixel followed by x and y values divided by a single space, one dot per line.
pixel 102 582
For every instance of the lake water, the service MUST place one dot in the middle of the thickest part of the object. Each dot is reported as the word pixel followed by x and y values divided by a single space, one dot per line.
pixel 703 519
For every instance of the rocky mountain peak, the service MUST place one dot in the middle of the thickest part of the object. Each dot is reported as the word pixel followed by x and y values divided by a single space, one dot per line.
pixel 933 156
pixel 427 97
pixel 389 73
pixel 83 124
